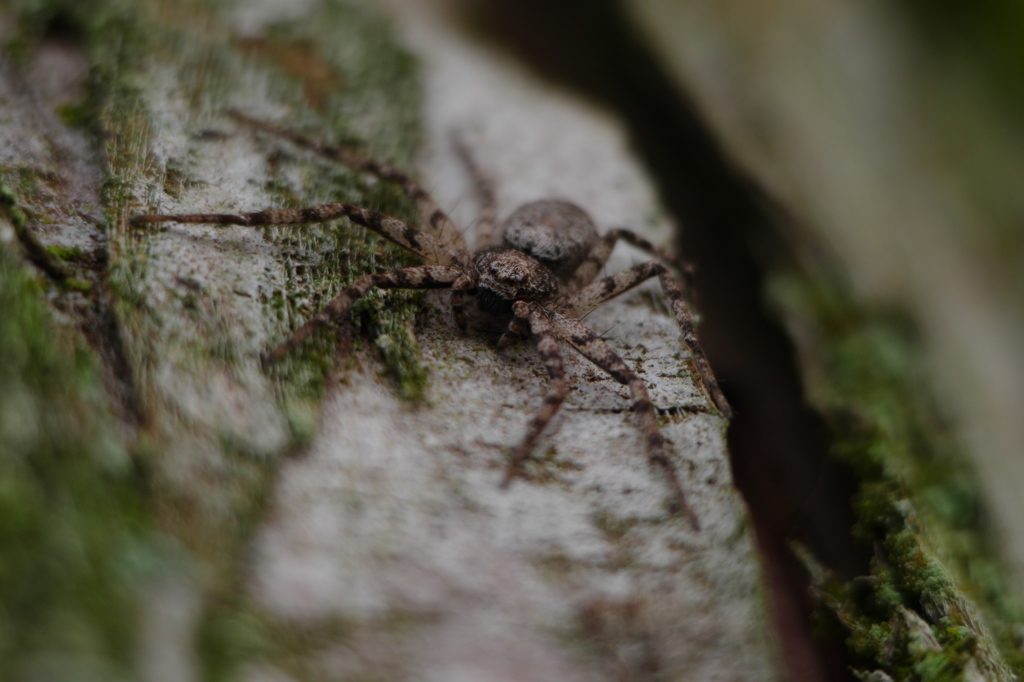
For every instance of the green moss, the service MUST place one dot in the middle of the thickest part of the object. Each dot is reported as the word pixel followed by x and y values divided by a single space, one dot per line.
pixel 915 502
pixel 67 252
pixel 9 202
pixel 76 115
pixel 33 248
pixel 239 633
pixel 72 520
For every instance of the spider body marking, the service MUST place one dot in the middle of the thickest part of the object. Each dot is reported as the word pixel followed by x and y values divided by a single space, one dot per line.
pixel 503 275
pixel 535 276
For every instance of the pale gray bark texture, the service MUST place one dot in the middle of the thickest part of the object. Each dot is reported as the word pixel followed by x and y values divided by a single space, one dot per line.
pixel 383 547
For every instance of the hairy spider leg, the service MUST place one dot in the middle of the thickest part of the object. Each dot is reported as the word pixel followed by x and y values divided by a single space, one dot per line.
pixel 601 291
pixel 517 330
pixel 485 188
pixel 602 250
pixel 435 221
pixel 458 300
pixel 590 346
pixel 424 245
pixel 419 277
pixel 546 342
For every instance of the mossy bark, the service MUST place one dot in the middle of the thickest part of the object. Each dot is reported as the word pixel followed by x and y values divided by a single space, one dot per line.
pixel 140 435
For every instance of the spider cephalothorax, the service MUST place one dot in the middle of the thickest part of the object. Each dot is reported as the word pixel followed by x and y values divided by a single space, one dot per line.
pixel 499 276
pixel 535 276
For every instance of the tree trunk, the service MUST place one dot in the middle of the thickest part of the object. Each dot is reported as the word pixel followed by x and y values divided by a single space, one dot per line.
pixel 178 512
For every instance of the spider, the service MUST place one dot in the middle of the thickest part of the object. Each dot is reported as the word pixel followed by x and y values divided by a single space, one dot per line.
pixel 532 275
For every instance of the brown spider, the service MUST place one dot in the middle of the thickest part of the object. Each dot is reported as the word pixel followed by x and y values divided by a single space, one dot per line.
pixel 533 276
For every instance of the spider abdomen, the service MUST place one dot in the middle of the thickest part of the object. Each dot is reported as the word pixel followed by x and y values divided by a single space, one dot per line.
pixel 556 232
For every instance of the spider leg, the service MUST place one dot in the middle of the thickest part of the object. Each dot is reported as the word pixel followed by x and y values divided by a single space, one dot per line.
pixel 485 188
pixel 436 221
pixel 518 329
pixel 601 291
pixel 590 346
pixel 423 244
pixel 420 277
pixel 458 302
pixel 602 250
pixel 547 347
